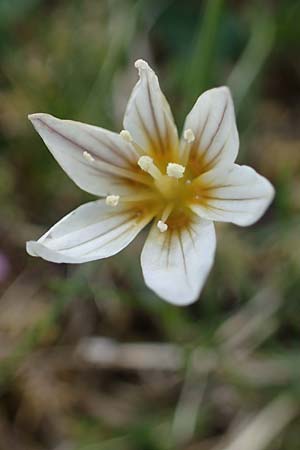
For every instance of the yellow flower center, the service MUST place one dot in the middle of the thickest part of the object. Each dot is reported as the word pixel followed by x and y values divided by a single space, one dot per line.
pixel 168 189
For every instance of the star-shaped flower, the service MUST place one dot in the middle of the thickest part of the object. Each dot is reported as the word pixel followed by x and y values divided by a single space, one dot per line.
pixel 146 174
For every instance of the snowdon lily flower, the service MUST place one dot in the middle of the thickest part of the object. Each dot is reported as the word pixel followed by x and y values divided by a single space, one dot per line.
pixel 146 174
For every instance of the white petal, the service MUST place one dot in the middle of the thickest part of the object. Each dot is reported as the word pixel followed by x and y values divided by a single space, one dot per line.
pixel 239 195
pixel 176 263
pixel 92 231
pixel 97 160
pixel 212 121
pixel 148 116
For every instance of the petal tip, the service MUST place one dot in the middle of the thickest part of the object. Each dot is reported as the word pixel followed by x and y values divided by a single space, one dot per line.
pixel 30 248
pixel 220 91
pixel 270 194
pixel 33 116
pixel 37 249
pixel 141 64
pixel 173 299
pixel 182 302
pixel 37 116
pixel 224 88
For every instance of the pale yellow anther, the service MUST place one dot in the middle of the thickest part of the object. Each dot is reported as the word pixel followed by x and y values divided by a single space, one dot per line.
pixel 188 136
pixel 112 200
pixel 88 156
pixel 126 136
pixel 162 226
pixel 146 163
pixel 175 170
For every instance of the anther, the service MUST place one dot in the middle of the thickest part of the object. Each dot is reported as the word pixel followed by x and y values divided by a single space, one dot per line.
pixel 188 136
pixel 112 200
pixel 88 156
pixel 162 226
pixel 146 163
pixel 175 170
pixel 126 135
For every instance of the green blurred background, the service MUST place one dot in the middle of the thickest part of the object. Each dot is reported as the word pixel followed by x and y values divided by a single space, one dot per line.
pixel 89 358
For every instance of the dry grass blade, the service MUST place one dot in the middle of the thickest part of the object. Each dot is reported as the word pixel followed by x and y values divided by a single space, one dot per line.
pixel 187 410
pixel 107 353
pixel 261 430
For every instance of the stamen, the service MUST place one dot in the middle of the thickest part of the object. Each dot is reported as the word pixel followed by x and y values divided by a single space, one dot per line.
pixel 175 170
pixel 115 170
pixel 167 211
pixel 188 136
pixel 140 197
pixel 162 226
pixel 112 200
pixel 88 156
pixel 146 163
pixel 126 135
pixel 103 166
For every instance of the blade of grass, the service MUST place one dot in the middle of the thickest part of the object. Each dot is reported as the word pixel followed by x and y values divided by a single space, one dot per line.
pixel 202 59
pixel 253 58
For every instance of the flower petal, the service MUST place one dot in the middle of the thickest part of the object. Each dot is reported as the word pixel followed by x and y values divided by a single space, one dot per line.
pixel 148 117
pixel 97 160
pixel 92 231
pixel 212 121
pixel 176 263
pixel 239 195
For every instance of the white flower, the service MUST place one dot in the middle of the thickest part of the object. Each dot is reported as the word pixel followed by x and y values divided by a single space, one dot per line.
pixel 145 173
